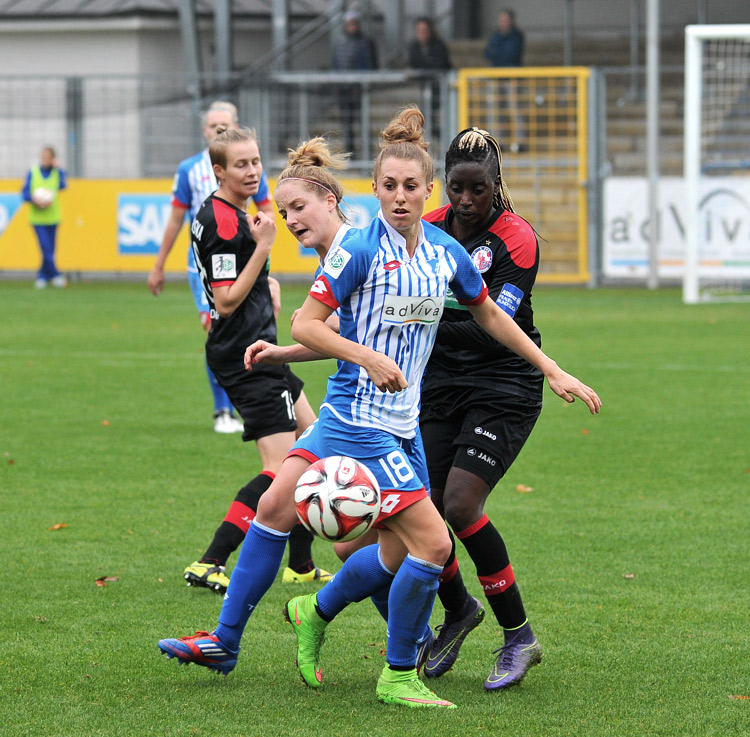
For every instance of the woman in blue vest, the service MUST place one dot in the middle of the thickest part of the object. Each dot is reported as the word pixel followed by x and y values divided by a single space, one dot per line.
pixel 41 189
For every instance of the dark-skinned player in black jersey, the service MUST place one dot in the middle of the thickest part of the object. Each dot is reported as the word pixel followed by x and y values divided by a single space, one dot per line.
pixel 480 402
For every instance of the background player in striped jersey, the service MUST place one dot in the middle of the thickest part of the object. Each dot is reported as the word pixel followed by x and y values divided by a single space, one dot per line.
pixel 193 182
pixel 389 282
pixel 480 402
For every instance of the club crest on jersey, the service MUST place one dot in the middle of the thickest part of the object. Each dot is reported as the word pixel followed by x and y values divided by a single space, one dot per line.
pixel 224 266
pixel 335 262
pixel 482 258
pixel 401 310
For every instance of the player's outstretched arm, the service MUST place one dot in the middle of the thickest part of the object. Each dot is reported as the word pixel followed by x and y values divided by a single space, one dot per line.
pixel 503 328
pixel 155 279
pixel 568 387
pixel 264 352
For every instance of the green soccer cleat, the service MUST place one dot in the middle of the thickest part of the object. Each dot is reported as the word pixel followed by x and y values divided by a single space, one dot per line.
pixel 310 630
pixel 404 688
pixel 208 576
pixel 318 575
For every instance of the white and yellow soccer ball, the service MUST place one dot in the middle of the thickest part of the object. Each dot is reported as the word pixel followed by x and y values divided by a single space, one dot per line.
pixel 337 498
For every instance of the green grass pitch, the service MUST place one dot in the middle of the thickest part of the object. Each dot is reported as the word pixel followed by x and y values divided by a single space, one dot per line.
pixel 631 550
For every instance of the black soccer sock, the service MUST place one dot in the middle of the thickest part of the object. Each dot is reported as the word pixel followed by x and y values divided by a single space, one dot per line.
pixel 300 549
pixel 487 549
pixel 452 591
pixel 231 532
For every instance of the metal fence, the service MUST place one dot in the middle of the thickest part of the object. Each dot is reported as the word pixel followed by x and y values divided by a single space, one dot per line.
pixel 541 118
pixel 122 127
pixel 562 136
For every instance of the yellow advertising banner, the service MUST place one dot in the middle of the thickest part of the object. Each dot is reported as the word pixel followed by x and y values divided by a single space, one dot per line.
pixel 116 226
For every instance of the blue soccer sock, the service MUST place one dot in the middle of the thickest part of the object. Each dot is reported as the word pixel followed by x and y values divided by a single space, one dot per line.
pixel 380 600
pixel 362 575
pixel 256 569
pixel 410 606
pixel 221 400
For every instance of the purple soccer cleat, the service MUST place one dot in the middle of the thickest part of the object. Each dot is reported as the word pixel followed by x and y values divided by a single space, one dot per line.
pixel 513 662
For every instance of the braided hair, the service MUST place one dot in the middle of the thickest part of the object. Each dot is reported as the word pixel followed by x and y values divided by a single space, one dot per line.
pixel 475 145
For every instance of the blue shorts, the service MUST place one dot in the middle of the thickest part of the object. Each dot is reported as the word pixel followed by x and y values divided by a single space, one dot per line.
pixel 196 286
pixel 397 463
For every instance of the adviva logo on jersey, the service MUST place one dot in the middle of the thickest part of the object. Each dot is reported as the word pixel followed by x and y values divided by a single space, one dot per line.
pixel 399 310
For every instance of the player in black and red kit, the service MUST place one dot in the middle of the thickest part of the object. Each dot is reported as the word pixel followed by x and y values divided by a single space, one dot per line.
pixel 231 251
pixel 480 402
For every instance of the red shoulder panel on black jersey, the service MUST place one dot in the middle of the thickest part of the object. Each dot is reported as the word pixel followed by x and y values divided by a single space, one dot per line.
pixel 437 216
pixel 226 220
pixel 519 238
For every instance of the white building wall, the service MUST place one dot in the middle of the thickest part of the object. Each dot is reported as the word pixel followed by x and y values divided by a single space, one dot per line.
pixel 545 17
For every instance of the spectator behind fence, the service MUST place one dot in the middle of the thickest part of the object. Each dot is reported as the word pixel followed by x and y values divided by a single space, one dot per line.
pixel 505 46
pixel 427 51
pixel 505 49
pixel 354 51
pixel 41 190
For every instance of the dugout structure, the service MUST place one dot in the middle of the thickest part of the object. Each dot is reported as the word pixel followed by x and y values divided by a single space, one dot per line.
pixel 540 117
pixel 716 155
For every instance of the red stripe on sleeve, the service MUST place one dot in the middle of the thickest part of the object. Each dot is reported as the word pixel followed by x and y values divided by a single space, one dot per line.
pixel 321 290
pixel 302 453
pixel 477 300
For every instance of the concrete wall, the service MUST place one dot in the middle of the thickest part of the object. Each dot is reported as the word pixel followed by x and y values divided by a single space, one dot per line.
pixel 545 17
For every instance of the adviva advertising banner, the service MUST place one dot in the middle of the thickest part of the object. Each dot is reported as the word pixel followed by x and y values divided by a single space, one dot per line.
pixel 723 226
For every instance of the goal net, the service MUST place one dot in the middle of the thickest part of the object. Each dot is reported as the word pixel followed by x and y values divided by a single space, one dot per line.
pixel 717 163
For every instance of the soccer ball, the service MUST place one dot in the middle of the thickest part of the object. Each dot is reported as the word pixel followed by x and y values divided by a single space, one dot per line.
pixel 337 498
pixel 42 197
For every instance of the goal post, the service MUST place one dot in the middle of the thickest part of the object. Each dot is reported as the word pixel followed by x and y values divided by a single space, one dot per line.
pixel 717 160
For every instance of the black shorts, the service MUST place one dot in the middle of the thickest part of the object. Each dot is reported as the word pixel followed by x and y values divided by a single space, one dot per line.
pixel 264 399
pixel 479 431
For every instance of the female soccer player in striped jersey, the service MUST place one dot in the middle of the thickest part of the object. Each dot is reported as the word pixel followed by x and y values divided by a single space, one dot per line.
pixel 388 282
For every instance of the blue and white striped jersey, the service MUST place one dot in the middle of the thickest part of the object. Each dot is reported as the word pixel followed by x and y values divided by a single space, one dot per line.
pixel 392 303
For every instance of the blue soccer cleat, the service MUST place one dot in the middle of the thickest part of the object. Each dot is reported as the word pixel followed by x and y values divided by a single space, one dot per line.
pixel 203 649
